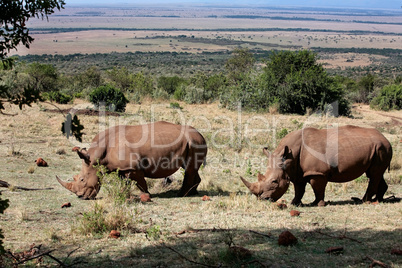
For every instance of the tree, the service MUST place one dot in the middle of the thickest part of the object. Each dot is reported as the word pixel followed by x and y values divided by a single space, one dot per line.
pixel 295 81
pixel 389 98
pixel 13 18
pixel 111 97
pixel 142 85
pixel 44 76
pixel 121 78
pixel 240 64
pixel 90 78
pixel 170 84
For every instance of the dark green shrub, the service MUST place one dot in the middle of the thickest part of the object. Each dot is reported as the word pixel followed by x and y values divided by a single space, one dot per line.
pixel 112 98
pixel 175 105
pixel 281 134
pixel 194 95
pixel 246 94
pixel 44 76
pixel 58 97
pixel 389 98
pixel 180 92
pixel 296 82
pixel 170 84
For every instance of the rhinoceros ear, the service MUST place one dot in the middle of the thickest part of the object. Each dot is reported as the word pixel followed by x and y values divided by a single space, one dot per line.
pixel 286 153
pixel 266 152
pixel 83 154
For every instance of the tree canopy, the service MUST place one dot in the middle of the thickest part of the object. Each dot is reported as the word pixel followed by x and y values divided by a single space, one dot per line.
pixel 13 17
pixel 296 81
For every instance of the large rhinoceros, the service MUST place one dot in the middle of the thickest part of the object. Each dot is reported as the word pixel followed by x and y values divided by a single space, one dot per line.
pixel 319 156
pixel 154 150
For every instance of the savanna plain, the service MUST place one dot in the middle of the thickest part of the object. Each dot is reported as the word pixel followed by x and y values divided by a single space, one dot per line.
pixel 225 225
pixel 160 232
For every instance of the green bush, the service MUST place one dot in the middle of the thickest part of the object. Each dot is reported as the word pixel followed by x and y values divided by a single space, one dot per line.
pixel 194 95
pixel 117 188
pixel 247 94
pixel 175 105
pixel 58 97
pixel 296 82
pixel 112 98
pixel 389 98
pixel 44 76
pixel 170 84
pixel 180 92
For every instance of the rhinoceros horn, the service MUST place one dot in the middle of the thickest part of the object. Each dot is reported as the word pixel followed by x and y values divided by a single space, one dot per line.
pixel 253 187
pixel 67 185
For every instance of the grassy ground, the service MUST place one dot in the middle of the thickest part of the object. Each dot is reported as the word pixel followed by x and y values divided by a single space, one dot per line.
pixel 186 232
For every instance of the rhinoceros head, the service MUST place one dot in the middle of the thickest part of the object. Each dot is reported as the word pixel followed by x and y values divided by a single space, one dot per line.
pixel 86 184
pixel 275 182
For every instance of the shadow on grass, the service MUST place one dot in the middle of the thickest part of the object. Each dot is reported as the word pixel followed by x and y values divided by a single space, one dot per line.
pixel 174 194
pixel 258 248
pixel 357 201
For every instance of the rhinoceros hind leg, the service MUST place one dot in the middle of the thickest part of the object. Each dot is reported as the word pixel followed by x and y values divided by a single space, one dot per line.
pixel 382 189
pixel 372 188
pixel 190 183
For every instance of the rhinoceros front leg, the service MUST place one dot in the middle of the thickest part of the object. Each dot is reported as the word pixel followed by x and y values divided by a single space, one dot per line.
pixel 300 188
pixel 138 176
pixel 318 183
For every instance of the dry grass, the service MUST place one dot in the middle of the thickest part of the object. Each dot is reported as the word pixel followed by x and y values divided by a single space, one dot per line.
pixel 151 230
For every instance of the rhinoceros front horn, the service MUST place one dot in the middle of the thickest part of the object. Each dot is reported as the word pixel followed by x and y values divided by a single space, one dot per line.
pixel 253 187
pixel 67 185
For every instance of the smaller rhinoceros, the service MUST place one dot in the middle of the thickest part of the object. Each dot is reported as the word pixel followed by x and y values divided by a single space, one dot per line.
pixel 154 150
pixel 319 156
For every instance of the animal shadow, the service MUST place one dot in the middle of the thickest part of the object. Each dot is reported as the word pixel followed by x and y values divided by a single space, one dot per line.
pixel 356 201
pixel 174 194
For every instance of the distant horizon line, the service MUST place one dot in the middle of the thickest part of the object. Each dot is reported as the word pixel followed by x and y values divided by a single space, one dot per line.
pixel 225 5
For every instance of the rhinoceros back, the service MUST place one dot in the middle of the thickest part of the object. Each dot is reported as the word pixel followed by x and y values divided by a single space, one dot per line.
pixel 344 153
pixel 157 148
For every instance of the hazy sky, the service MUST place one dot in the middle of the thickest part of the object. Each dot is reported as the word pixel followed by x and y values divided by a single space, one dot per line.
pixel 387 4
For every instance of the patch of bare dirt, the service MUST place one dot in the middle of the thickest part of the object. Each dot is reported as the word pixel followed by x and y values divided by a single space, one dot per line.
pixel 395 119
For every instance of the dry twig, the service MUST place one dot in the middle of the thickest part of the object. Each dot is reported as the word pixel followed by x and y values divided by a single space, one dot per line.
pixel 47 253
pixel 375 262
pixel 7 185
pixel 203 230
pixel 258 233
pixel 187 259
pixel 342 236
